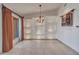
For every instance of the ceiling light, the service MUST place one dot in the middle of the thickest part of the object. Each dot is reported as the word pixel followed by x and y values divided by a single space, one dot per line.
pixel 40 19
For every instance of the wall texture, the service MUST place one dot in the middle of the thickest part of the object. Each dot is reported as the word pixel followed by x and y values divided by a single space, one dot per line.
pixel 69 34
pixel 0 28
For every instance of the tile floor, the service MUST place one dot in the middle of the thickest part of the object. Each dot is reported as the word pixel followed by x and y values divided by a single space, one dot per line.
pixel 41 47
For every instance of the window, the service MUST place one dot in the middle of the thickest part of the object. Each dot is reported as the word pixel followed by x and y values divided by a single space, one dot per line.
pixel 16 27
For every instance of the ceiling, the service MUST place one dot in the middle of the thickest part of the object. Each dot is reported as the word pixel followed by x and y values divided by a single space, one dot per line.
pixel 32 9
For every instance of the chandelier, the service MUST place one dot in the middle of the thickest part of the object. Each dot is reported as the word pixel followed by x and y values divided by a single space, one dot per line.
pixel 40 19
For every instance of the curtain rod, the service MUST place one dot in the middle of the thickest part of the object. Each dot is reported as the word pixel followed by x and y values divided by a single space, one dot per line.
pixel 11 10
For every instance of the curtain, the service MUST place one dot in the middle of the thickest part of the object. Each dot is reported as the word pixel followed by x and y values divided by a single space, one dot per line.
pixel 22 25
pixel 7 29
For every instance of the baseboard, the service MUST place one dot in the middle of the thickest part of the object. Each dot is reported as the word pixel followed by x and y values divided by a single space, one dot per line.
pixel 41 39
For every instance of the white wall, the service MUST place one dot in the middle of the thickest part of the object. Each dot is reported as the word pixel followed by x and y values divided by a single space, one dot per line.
pixel 0 28
pixel 46 30
pixel 69 34
pixel 18 38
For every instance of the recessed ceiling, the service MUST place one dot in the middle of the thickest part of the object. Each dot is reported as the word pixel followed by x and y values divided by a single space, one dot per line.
pixel 32 8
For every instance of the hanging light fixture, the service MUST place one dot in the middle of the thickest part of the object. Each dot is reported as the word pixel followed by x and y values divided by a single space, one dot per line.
pixel 40 19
